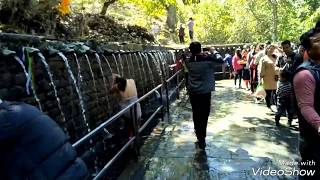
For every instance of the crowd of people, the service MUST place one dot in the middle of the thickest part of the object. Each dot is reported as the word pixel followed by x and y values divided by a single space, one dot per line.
pixel 272 67
pixel 289 78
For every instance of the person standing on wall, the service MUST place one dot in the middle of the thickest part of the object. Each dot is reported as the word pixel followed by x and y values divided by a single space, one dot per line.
pixel 181 34
pixel 200 84
pixel 155 30
pixel 190 26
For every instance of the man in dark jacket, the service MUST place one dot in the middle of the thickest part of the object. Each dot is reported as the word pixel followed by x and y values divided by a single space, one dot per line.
pixel 33 146
pixel 307 87
pixel 293 59
pixel 200 84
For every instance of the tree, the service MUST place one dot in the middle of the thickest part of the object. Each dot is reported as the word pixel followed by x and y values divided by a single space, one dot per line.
pixel 274 5
pixel 105 6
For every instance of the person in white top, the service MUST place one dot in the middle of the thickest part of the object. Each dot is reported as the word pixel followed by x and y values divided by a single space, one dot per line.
pixel 155 30
pixel 190 26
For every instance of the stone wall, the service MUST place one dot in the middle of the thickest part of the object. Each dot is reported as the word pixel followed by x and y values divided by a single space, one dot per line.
pixel 72 83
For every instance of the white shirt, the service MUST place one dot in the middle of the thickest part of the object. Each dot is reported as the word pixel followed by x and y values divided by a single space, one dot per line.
pixel 190 25
pixel 155 29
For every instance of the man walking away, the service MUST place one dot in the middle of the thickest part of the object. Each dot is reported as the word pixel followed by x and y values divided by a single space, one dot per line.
pixel 200 84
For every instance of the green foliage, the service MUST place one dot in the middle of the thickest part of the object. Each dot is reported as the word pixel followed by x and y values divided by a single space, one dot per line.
pixel 216 21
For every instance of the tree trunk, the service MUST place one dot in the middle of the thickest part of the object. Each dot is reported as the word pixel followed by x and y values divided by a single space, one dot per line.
pixel 274 5
pixel 171 17
pixel 106 4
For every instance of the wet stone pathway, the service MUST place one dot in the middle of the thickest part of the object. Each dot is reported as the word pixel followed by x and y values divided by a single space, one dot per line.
pixel 242 142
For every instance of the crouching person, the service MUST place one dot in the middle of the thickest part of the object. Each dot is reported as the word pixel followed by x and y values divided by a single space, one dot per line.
pixel 126 90
pixel 33 146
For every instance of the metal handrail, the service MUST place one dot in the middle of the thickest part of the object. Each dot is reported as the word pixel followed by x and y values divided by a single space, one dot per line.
pixel 133 139
pixel 173 76
pixel 113 118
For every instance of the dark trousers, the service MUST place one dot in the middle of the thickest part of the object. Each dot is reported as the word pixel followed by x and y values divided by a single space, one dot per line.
pixel 200 112
pixel 253 80
pixel 271 98
pixel 309 151
pixel 191 35
pixel 181 38
pixel 284 105
pixel 238 75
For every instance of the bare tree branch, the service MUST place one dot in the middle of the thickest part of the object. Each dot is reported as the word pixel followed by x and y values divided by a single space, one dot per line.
pixel 106 4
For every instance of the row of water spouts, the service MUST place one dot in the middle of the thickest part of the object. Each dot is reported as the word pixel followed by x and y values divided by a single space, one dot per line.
pixel 160 59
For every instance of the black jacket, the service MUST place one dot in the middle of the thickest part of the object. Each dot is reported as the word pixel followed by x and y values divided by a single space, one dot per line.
pixel 33 146
pixel 201 72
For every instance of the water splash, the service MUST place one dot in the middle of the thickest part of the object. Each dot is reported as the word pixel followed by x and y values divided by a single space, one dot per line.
pixel 173 55
pixel 131 64
pixel 165 63
pixel 143 69
pixel 121 64
pixel 24 71
pixel 150 70
pixel 83 111
pixel 79 77
pixel 139 72
pixel 103 78
pixel 128 66
pixel 42 58
pixel 116 61
pixel 105 58
pixel 162 65
pixel 93 79
pixel 27 83
pixel 157 65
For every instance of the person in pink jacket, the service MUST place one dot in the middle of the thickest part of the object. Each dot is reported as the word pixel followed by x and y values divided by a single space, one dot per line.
pixel 237 67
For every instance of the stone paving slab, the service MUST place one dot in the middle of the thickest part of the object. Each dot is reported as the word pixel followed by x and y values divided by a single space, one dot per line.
pixel 241 138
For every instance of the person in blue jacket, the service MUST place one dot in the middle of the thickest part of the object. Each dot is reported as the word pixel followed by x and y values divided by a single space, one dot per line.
pixel 34 147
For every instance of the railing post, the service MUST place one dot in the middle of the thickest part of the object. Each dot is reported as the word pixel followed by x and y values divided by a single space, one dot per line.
pixel 177 86
pixel 161 102
pixel 136 129
pixel 168 100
